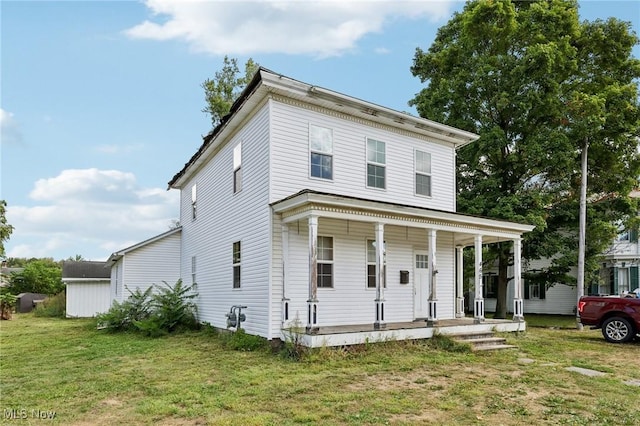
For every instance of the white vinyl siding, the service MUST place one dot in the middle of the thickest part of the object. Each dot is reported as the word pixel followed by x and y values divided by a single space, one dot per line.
pixel 150 264
pixel 87 298
pixel 289 159
pixel 225 217
pixel 349 301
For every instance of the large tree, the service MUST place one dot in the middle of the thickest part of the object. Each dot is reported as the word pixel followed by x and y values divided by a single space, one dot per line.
pixel 39 276
pixel 5 228
pixel 516 74
pixel 221 91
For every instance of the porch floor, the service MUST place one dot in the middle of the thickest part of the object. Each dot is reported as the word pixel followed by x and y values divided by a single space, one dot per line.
pixel 360 328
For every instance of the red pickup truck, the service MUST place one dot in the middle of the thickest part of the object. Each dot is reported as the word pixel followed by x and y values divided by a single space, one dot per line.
pixel 618 317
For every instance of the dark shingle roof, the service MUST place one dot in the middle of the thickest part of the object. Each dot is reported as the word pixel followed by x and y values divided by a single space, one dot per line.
pixel 85 269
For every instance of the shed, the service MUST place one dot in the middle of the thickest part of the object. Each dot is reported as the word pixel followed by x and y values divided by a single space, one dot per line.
pixel 87 285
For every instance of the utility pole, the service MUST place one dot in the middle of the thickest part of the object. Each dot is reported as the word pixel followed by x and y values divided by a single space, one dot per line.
pixel 583 226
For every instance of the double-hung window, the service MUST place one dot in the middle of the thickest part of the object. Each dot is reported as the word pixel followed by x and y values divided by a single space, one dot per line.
pixel 324 250
pixel 371 264
pixel 193 270
pixel 237 168
pixel 237 253
pixel 321 152
pixel 423 173
pixel 376 164
pixel 194 196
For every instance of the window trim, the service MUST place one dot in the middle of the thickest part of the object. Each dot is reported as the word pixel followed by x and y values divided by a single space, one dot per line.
pixel 193 270
pixel 236 265
pixel 194 199
pixel 325 262
pixel 322 153
pixel 237 168
pixel 376 164
pixel 416 172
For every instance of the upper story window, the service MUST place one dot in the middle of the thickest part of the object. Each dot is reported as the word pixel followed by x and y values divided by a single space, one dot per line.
pixel 194 196
pixel 376 164
pixel 237 258
pixel 423 173
pixel 325 262
pixel 321 152
pixel 237 168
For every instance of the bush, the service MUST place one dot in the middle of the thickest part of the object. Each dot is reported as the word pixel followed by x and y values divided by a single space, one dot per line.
pixel 172 309
pixel 7 304
pixel 241 341
pixel 122 316
pixel 54 306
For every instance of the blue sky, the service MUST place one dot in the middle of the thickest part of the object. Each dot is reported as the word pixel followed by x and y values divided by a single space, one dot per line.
pixel 101 101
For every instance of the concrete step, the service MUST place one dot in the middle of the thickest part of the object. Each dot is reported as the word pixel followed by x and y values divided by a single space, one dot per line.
pixel 492 347
pixel 483 341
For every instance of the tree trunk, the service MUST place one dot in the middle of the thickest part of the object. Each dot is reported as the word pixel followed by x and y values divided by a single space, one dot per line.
pixel 501 297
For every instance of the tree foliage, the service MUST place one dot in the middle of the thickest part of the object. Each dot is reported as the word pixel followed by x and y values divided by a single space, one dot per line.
pixel 222 91
pixel 5 228
pixel 39 276
pixel 533 81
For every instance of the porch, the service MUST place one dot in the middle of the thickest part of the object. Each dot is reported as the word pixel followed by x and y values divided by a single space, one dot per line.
pixel 344 335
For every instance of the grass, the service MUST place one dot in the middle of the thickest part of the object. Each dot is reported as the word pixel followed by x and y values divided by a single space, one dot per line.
pixel 93 378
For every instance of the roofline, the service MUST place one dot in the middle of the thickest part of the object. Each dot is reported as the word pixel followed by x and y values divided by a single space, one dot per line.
pixel 119 254
pixel 264 76
pixel 309 196
pixel 65 280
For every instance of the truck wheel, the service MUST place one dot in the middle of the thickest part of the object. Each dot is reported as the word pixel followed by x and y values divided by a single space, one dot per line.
pixel 617 330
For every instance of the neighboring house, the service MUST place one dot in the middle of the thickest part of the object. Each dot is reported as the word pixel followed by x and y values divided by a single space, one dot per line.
pixel 5 275
pixel 145 264
pixel 619 273
pixel 87 285
pixel 321 211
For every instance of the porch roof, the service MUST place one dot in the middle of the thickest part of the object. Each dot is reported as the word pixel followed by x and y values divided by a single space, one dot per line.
pixel 312 203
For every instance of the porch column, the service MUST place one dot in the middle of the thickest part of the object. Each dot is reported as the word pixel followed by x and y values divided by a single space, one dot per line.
pixel 312 302
pixel 518 305
pixel 285 261
pixel 459 282
pixel 433 271
pixel 478 306
pixel 380 276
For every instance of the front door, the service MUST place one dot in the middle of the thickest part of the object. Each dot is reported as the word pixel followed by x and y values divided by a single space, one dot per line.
pixel 421 285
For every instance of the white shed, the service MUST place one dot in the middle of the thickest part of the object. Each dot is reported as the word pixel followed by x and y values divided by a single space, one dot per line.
pixel 87 288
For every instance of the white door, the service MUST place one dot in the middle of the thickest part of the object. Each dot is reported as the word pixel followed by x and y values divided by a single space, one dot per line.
pixel 421 284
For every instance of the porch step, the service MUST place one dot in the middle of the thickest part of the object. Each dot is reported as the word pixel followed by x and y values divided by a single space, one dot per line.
pixel 483 342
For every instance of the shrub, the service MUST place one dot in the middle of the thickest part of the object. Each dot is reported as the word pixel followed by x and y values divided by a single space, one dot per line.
pixel 7 304
pixel 54 306
pixel 172 309
pixel 241 341
pixel 122 316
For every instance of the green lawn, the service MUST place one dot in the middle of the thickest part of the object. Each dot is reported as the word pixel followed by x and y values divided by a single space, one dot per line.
pixel 93 378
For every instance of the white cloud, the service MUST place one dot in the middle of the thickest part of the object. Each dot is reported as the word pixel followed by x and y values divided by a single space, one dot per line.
pixel 119 149
pixel 382 51
pixel 89 212
pixel 321 28
pixel 10 132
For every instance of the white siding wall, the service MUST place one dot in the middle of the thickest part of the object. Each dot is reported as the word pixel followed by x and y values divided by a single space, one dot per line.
pixel 86 299
pixel 290 160
pixel 147 265
pixel 116 286
pixel 223 218
pixel 350 301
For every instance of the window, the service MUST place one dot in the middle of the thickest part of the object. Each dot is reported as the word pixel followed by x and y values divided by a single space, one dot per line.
pixel 490 285
pixel 376 162
pixel 534 291
pixel 423 173
pixel 325 262
pixel 193 270
pixel 371 264
pixel 237 168
pixel 321 152
pixel 193 201
pixel 237 252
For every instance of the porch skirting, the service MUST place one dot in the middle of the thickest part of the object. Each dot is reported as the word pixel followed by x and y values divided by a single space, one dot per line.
pixel 363 333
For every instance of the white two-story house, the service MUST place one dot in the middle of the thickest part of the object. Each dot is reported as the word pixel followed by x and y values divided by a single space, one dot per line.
pixel 333 216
